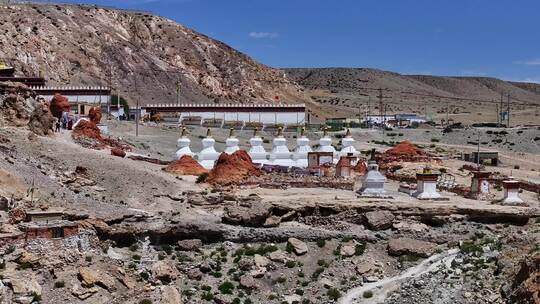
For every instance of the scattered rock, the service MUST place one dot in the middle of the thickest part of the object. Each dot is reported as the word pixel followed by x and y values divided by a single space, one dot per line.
pixel 194 274
pixel 348 249
pixel 272 221
pixel 83 293
pixel 278 256
pixel 190 245
pixel 164 271
pixel 261 261
pixel 170 295
pixel 254 216
pixel 297 246
pixel 249 282
pixel 118 152
pixel 401 246
pixel 87 276
pixel 379 220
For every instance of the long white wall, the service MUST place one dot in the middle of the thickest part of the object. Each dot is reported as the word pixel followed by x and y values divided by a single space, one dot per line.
pixel 263 117
pixel 97 99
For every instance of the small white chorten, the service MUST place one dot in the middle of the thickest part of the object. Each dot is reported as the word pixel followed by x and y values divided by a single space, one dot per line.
pixel 280 154
pixel 300 155
pixel 183 144
pixel 257 152
pixel 325 145
pixel 426 188
pixel 511 192
pixel 231 144
pixel 348 146
pixel 208 155
pixel 373 181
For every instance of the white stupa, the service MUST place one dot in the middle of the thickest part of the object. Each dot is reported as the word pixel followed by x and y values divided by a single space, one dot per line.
pixel 373 181
pixel 208 155
pixel 231 144
pixel 280 154
pixel 426 185
pixel 325 145
pixel 300 155
pixel 511 192
pixel 257 152
pixel 348 146
pixel 183 145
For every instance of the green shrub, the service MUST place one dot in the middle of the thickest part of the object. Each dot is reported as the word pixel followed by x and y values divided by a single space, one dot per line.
pixel 290 264
pixel 367 294
pixel 145 301
pixel 206 288
pixel 136 257
pixel 59 284
pixel 435 140
pixel 226 287
pixel 321 243
pixel 145 275
pixel 35 297
pixel 202 178
pixel 208 296
pixel 10 249
pixel 134 247
pixel 360 248
pixel 88 258
pixel 333 294
pixel 299 292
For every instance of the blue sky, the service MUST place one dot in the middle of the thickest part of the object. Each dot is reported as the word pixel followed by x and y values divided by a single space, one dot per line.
pixel 453 37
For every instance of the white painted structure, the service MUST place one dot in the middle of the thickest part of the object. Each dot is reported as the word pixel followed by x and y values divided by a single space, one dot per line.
pixel 257 152
pixel 183 145
pixel 300 155
pixel 372 182
pixel 280 154
pixel 262 113
pixel 348 146
pixel 426 188
pixel 325 145
pixel 76 94
pixel 208 155
pixel 511 192
pixel 231 143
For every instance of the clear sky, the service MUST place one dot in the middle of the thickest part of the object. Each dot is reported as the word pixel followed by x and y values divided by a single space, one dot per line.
pixel 499 38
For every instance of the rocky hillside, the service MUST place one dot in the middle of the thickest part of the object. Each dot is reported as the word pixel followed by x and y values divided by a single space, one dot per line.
pixel 145 54
pixel 363 81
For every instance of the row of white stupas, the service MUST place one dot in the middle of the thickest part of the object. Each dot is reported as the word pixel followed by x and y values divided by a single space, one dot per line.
pixel 280 154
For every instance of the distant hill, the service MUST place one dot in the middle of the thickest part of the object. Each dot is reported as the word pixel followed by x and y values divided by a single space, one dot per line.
pixel 363 81
pixel 147 54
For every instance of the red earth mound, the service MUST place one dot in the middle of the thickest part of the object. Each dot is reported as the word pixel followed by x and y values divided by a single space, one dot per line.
pixel 405 148
pixel 186 165
pixel 360 168
pixel 87 129
pixel 232 169
pixel 95 115
pixel 58 105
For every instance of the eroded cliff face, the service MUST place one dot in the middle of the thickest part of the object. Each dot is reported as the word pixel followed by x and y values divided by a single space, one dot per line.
pixel 142 54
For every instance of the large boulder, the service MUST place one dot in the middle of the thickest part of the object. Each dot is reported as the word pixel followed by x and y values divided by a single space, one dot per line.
pixel 59 104
pixel 232 169
pixel 378 220
pixel 401 246
pixel 86 129
pixel 297 246
pixel 164 271
pixel 190 245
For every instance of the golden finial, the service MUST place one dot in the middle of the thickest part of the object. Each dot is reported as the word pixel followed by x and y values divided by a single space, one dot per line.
pixel 184 131
pixel 348 133
pixel 231 132
pixel 255 132
pixel 302 131
pixel 325 131
pixel 280 131
pixel 208 133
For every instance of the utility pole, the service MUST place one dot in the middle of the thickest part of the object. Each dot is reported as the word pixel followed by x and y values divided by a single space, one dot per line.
pixel 137 110
pixel 508 112
pixel 478 152
pixel 177 91
pixel 498 114
pixel 501 108
pixel 381 104
pixel 368 119
pixel 447 111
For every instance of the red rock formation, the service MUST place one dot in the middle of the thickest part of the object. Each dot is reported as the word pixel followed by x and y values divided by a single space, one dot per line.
pixel 58 105
pixel 186 165
pixel 118 152
pixel 95 115
pixel 87 129
pixel 232 169
pixel 405 151
pixel 360 168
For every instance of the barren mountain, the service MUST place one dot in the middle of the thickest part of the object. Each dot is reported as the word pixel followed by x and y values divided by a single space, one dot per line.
pixel 367 81
pixel 141 54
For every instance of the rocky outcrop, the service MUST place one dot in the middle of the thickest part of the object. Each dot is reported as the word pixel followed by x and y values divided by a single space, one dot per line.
pixel 401 246
pixel 118 152
pixel 525 287
pixel 42 121
pixel 297 246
